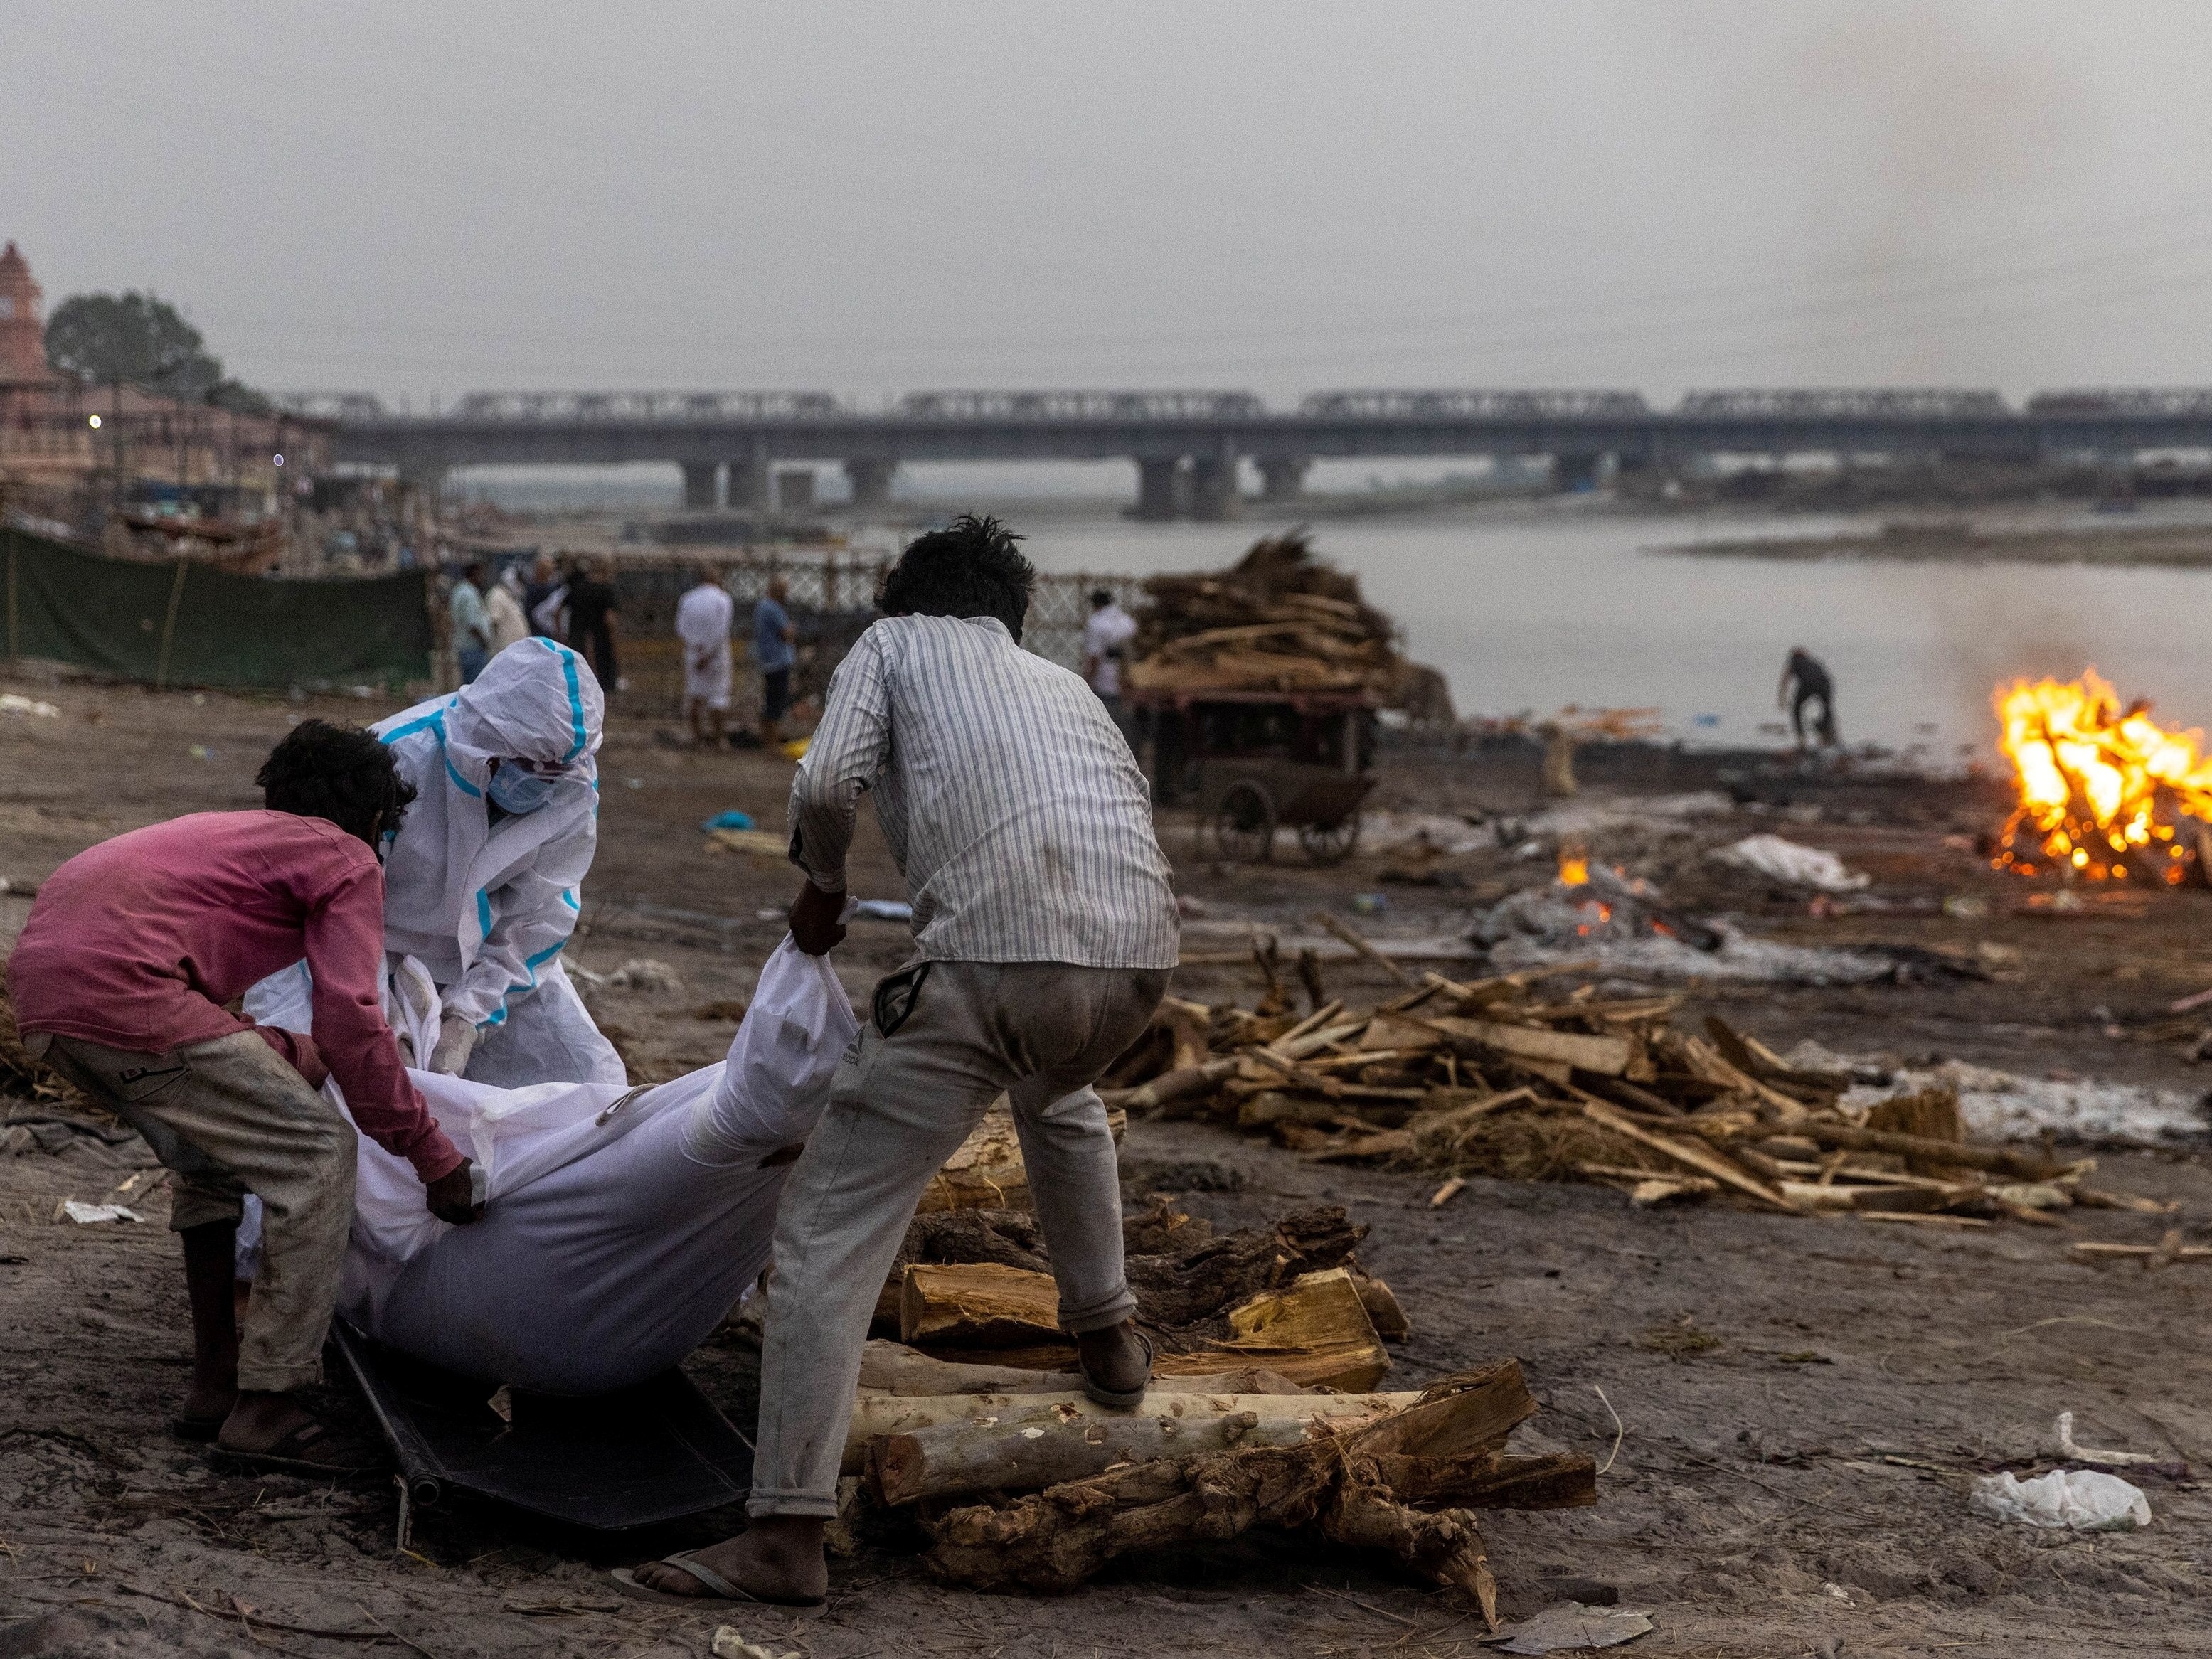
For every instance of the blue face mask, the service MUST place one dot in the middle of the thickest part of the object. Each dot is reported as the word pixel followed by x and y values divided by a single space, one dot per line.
pixel 513 790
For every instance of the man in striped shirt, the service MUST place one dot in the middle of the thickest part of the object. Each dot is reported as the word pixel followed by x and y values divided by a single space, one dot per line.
pixel 1045 931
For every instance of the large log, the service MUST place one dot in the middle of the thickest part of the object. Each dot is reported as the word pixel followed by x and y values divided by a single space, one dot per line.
pixel 1019 1442
pixel 1056 1538
pixel 892 1368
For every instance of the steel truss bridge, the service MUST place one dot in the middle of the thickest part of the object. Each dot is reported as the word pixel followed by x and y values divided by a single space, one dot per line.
pixel 1187 445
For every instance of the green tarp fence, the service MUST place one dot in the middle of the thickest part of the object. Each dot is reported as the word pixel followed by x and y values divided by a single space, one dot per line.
pixel 181 624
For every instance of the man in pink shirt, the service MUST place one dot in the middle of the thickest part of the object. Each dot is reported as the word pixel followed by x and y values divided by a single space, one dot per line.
pixel 120 980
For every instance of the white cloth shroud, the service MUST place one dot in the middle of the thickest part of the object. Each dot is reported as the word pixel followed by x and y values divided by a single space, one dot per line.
pixel 622 1226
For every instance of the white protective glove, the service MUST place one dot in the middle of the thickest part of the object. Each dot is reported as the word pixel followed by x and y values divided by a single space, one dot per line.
pixel 457 1039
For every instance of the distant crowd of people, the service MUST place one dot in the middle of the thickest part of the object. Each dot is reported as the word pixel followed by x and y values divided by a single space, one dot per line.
pixel 578 609
pixel 489 613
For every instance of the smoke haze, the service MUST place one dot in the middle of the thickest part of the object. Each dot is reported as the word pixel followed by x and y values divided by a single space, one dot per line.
pixel 416 200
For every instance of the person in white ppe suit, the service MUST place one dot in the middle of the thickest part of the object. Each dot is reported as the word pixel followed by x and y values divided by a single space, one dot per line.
pixel 481 883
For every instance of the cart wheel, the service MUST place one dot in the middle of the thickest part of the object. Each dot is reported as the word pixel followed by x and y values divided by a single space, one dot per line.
pixel 1330 843
pixel 1244 824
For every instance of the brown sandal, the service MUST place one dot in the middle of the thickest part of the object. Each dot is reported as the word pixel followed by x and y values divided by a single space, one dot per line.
pixel 287 1456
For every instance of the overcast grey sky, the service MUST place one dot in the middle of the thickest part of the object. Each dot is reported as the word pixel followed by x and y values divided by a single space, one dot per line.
pixel 865 197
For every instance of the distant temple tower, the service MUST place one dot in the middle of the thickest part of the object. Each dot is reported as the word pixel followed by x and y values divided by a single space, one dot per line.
pixel 23 329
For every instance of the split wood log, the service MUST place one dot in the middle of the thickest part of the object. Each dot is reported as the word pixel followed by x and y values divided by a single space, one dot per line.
pixel 1358 942
pixel 1180 1290
pixel 1315 1331
pixel 1694 1154
pixel 985 1172
pixel 1017 1444
pixel 2028 1166
pixel 1607 1056
pixel 1391 1321
pixel 978 1304
pixel 1493 1481
pixel 1056 1538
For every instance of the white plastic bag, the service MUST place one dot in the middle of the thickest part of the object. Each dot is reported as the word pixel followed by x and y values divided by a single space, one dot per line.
pixel 2080 1500
pixel 1785 860
pixel 776 1079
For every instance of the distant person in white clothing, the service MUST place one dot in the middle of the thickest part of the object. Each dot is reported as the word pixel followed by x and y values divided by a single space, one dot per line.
pixel 703 624
pixel 503 612
pixel 1106 639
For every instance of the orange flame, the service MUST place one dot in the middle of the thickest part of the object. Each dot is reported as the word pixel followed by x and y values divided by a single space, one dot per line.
pixel 2100 785
pixel 1574 868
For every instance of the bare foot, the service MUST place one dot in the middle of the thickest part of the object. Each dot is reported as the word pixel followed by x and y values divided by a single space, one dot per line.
pixel 1114 1359
pixel 778 1559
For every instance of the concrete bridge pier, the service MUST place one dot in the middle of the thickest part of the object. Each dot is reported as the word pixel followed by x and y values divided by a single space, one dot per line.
pixel 1283 478
pixel 1213 488
pixel 871 481
pixel 1576 470
pixel 749 483
pixel 699 485
pixel 1159 494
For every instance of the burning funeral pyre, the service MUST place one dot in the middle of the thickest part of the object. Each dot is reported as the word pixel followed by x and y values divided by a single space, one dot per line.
pixel 2106 792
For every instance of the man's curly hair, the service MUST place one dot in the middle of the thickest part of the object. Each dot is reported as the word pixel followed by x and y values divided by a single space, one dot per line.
pixel 971 568
pixel 319 770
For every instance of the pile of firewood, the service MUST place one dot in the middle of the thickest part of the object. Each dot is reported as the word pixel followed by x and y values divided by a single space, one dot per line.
pixel 1268 1344
pixel 1504 1078
pixel 1278 620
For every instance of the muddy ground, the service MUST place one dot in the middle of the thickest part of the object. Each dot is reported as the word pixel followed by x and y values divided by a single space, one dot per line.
pixel 1800 1403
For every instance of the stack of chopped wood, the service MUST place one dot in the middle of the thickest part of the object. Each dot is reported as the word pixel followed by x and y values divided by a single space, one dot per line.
pixel 1278 620
pixel 1266 1343
pixel 1503 1077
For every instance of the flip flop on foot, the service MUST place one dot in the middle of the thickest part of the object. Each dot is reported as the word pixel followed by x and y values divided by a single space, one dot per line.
pixel 309 1449
pixel 714 1585
pixel 197 1430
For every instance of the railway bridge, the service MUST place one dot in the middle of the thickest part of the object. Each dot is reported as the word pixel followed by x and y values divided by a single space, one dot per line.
pixel 1188 446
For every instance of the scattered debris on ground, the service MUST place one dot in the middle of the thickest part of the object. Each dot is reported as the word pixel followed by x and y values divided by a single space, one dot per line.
pixel 1502 1076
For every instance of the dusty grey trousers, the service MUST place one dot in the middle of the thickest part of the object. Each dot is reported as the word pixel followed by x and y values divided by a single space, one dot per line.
pixel 900 1104
pixel 231 1117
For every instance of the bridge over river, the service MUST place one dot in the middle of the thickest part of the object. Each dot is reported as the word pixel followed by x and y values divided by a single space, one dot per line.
pixel 1187 446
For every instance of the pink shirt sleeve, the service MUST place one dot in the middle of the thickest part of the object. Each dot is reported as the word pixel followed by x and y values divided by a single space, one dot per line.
pixel 345 955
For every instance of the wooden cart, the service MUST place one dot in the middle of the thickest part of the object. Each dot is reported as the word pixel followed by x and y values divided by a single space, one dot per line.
pixel 1253 762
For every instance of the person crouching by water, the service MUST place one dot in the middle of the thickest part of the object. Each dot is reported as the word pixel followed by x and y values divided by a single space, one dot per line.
pixel 119 980
pixel 1809 676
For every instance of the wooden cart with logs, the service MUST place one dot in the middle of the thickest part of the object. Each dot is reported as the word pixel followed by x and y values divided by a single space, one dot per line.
pixel 1252 762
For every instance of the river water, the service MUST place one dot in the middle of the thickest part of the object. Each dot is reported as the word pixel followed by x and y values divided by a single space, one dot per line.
pixel 1534 610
